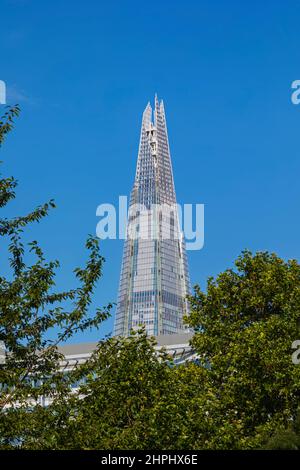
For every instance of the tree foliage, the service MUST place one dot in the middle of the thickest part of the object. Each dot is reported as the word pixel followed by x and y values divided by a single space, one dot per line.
pixel 245 324
pixel 30 309
pixel 242 393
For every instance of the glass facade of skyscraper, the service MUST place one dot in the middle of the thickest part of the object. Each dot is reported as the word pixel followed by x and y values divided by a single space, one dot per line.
pixel 154 278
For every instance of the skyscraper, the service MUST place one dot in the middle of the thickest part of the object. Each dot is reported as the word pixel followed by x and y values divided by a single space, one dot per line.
pixel 154 278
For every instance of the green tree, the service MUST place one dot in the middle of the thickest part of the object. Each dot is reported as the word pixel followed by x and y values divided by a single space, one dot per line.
pixel 133 398
pixel 30 309
pixel 286 439
pixel 243 392
pixel 245 324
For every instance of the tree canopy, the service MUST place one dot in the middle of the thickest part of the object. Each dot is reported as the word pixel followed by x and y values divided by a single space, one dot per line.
pixel 245 325
pixel 242 393
pixel 30 309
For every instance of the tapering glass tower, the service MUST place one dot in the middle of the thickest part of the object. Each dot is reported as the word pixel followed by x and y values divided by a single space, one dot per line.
pixel 154 278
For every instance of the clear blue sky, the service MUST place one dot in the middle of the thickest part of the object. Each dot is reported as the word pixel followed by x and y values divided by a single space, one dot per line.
pixel 83 73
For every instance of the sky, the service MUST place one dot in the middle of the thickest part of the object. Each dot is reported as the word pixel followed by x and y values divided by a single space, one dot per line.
pixel 83 73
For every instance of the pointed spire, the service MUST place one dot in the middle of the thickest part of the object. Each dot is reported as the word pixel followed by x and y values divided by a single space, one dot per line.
pixel 156 109
pixel 147 116
pixel 162 108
